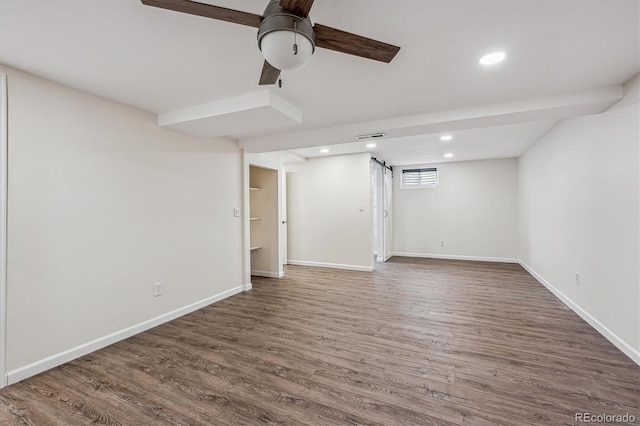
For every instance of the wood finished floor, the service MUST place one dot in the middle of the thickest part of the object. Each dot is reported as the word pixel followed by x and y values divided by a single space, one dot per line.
pixel 417 342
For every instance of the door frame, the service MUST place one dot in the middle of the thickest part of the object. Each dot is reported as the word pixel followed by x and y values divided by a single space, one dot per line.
pixel 4 170
pixel 284 232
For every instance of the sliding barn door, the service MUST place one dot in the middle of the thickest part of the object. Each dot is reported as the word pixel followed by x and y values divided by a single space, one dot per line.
pixel 377 210
pixel 388 213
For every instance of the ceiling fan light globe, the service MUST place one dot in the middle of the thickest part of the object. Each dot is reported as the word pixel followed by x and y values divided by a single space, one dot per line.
pixel 277 49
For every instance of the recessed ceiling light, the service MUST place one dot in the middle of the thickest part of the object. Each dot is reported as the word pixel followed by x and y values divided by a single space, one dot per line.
pixel 324 150
pixel 371 145
pixel 446 137
pixel 492 58
pixel 448 155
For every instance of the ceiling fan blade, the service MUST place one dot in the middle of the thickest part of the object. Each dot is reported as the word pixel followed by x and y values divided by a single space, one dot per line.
pixel 353 44
pixel 298 7
pixel 269 74
pixel 208 11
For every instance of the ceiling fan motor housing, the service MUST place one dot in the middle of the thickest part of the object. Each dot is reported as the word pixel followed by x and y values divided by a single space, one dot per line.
pixel 278 19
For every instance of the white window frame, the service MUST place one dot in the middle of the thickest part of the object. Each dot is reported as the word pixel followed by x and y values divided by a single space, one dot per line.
pixel 403 184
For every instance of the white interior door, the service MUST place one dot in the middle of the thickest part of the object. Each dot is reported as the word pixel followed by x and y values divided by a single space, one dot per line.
pixel 388 213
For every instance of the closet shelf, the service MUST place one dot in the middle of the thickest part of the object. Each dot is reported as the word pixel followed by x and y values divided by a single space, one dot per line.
pixel 254 189
pixel 254 218
pixel 255 248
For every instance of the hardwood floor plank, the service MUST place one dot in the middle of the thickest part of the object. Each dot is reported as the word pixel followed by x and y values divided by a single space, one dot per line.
pixel 416 342
pixel 263 384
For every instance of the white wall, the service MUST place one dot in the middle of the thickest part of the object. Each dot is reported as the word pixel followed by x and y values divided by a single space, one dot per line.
pixel 579 212
pixel 329 212
pixel 102 204
pixel 474 210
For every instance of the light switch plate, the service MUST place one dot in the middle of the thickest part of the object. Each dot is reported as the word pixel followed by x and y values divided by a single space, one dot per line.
pixel 236 212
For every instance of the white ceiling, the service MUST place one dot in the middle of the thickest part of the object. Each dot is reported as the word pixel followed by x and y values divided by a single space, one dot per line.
pixel 565 57
pixel 505 141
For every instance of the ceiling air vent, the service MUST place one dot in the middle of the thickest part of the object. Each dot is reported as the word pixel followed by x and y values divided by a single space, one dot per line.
pixel 371 136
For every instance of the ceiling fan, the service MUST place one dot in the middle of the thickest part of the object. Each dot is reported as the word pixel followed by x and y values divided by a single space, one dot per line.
pixel 286 35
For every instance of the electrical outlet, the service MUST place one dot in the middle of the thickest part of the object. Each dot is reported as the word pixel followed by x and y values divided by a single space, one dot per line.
pixel 157 289
pixel 441 242
pixel 577 278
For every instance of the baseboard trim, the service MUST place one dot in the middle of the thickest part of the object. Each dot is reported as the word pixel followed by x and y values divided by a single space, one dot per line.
pixel 593 322
pixel 267 274
pixel 458 257
pixel 248 286
pixel 52 361
pixel 330 265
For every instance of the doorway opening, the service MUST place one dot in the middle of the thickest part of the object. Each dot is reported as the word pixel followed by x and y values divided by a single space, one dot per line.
pixel 264 222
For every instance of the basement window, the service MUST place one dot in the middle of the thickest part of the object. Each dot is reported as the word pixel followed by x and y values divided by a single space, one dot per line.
pixel 420 178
